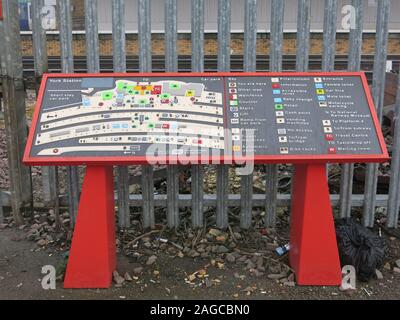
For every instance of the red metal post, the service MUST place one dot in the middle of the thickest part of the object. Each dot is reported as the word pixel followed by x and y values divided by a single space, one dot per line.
pixel 313 248
pixel 92 257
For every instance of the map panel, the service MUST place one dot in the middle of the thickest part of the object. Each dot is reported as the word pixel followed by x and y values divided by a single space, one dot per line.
pixel 126 116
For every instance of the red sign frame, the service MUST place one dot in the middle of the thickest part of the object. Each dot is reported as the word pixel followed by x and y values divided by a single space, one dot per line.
pixel 138 160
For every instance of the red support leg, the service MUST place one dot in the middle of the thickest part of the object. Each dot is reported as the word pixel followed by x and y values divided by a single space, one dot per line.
pixel 313 248
pixel 92 256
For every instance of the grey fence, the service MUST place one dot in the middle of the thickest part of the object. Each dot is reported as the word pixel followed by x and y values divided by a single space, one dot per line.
pixel 197 200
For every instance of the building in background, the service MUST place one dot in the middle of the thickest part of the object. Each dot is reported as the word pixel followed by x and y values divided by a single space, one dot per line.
pixel 210 16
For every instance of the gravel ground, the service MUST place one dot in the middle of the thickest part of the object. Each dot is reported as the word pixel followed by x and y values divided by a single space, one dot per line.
pixel 193 264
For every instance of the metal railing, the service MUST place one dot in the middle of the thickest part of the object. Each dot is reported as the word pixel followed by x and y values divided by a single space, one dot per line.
pixel 197 200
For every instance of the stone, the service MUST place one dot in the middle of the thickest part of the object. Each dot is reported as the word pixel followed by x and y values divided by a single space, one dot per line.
pixel 289 283
pixel 379 274
pixel 35 226
pixel 237 235
pixel 397 270
pixel 222 249
pixel 221 238
pixel 138 270
pixel 276 276
pixel 151 260
pixel 41 242
pixel 291 277
pixel 250 264
pixel 127 276
pixel 193 253
pixel 214 232
pixel 230 258
pixel 387 266
pixel 256 273
pixel 397 263
pixel 117 278
pixel 147 244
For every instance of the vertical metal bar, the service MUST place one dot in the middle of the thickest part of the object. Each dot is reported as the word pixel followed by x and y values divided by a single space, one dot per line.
pixel 49 180
pixel 92 36
pixel 303 34
pixel 145 66
pixel 144 36
pixel 197 171
pixel 14 109
pixel 39 39
pixel 171 65
pixel 329 38
pixel 197 11
pixel 394 187
pixel 119 62
pixel 355 41
pixel 378 84
pixel 1 202
pixel 67 66
pixel 118 35
pixel 224 64
pixel 249 64
pixel 171 55
pixel 276 40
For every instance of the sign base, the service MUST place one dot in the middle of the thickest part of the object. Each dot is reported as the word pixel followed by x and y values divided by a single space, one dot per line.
pixel 92 256
pixel 313 250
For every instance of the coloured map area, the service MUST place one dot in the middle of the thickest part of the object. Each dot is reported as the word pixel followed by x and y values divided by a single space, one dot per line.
pixel 125 116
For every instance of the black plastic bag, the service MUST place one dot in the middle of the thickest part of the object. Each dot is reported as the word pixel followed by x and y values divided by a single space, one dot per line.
pixel 360 248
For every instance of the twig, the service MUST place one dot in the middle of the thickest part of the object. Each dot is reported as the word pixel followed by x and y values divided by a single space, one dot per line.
pixel 143 235
pixel 232 234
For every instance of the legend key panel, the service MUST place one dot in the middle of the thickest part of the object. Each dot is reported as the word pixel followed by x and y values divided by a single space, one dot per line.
pixel 300 115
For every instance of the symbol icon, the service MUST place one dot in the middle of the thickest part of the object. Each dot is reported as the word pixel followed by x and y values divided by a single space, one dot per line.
pixel 282 139
pixel 236 148
pixel 189 93
pixel 323 104
pixel 320 91
pixel 274 79
pixel 277 100
pixel 276 91
pixel 321 98
pixel 232 84
pixel 279 113
pixel 276 85
pixel 233 109
pixel 280 120
pixel 232 90
pixel 235 130
pixel 234 120
pixel 281 131
pixel 329 137
pixel 317 79
pixel 331 150
pixel 278 107
pixel 284 150
pixel 319 86
pixel 235 137
pixel 327 129
pixel 326 122
pixel 233 97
